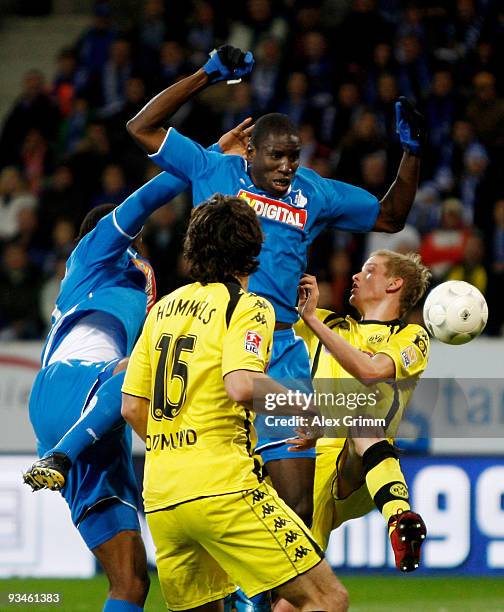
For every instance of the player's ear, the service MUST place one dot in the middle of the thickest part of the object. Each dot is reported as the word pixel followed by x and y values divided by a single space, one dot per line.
pixel 394 284
pixel 251 150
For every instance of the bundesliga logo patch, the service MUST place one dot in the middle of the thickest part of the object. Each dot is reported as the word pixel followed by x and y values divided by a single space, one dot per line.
pixel 409 356
pixel 253 342
pixel 274 209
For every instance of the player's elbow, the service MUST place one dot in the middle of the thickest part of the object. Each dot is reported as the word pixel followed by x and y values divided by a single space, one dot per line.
pixel 238 386
pixel 129 408
pixel 134 129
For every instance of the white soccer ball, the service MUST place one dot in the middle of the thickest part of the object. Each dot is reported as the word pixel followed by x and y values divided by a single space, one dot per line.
pixel 455 312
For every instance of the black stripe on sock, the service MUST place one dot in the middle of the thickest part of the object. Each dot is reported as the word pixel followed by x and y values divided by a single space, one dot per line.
pixel 387 493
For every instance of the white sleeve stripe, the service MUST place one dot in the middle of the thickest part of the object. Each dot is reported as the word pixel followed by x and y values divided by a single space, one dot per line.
pixel 120 229
pixel 162 144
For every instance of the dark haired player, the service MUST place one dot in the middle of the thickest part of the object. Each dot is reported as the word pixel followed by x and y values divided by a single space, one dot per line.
pixel 293 205
pixel 104 297
pixel 187 393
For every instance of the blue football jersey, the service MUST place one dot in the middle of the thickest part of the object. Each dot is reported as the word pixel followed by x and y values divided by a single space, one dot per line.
pixel 105 274
pixel 290 224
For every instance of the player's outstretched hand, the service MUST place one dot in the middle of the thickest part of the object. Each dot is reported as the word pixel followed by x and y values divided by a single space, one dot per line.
pixel 410 125
pixel 228 63
pixel 307 437
pixel 308 296
pixel 236 140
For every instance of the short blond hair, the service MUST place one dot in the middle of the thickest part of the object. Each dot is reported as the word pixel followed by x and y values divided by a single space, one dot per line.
pixel 415 274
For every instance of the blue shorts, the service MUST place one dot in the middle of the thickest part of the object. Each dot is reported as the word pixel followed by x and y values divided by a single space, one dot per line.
pixel 290 366
pixel 103 474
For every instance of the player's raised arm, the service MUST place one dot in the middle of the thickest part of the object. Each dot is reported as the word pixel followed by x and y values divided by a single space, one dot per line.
pixel 357 363
pixel 397 202
pixel 226 64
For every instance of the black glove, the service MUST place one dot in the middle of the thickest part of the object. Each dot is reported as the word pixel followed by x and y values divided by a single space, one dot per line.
pixel 228 63
pixel 410 125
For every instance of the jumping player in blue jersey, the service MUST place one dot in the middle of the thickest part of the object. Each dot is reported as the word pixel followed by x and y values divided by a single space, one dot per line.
pixel 107 290
pixel 294 205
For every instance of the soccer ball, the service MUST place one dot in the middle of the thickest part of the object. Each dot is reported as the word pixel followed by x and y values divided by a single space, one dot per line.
pixel 455 312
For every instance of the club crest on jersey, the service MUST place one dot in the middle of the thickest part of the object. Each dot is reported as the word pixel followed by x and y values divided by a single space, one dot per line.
pixel 409 356
pixel 268 208
pixel 150 281
pixel 253 342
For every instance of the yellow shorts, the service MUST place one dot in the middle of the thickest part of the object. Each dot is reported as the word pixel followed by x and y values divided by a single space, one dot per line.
pixel 329 509
pixel 207 546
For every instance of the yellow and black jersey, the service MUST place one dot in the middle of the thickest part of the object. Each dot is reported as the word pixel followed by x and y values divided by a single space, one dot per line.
pixel 199 442
pixel 406 344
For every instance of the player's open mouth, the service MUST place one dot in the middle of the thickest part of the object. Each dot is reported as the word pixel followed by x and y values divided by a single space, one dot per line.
pixel 282 183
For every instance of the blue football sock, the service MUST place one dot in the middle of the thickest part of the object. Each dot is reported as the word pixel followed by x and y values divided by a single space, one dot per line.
pixel 103 414
pixel 259 603
pixel 119 605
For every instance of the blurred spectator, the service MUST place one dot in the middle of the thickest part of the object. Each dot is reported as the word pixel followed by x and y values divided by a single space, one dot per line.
pixel 441 108
pixel 34 109
pixel 266 74
pixel 472 180
pixel 116 72
pixel 65 83
pixel 13 198
pixel 50 291
pixel 259 22
pixel 374 173
pixel 408 240
pixel 426 211
pixel 163 238
pixel 150 34
pixel 35 160
pixel 240 107
pixel 28 236
pixel 94 45
pixel 471 268
pixel 364 24
pixel 173 63
pixel 485 110
pixel 413 72
pixel 383 63
pixel 496 267
pixel 317 64
pixel 295 104
pixel 444 247
pixel 19 295
pixel 63 236
pixel 73 127
pixel 310 148
pixel 387 94
pixel 91 156
pixel 61 197
pixel 113 186
pixel 362 139
pixel 335 120
pixel 205 32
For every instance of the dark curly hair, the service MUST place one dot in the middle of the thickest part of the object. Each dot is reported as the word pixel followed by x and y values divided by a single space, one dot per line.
pixel 223 240
pixel 90 221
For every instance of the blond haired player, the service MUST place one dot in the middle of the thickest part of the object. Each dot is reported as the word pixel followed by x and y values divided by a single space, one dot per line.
pixel 355 474
pixel 187 393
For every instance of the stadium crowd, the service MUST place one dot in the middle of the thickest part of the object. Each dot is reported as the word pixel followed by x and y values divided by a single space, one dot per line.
pixel 336 68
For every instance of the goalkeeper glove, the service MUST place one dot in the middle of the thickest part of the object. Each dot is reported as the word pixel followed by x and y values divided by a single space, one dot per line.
pixel 410 125
pixel 228 63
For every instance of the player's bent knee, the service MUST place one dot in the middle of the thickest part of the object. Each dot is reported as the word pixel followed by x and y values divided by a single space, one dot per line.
pixel 133 587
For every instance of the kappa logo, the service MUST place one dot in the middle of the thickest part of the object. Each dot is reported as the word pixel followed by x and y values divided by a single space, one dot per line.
pixel 409 356
pixel 253 342
pixel 275 210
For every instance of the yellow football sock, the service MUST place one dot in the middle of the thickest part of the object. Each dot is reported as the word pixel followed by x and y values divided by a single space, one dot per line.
pixel 385 480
